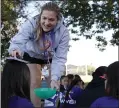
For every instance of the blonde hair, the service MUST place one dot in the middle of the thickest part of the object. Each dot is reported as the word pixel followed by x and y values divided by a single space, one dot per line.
pixel 50 6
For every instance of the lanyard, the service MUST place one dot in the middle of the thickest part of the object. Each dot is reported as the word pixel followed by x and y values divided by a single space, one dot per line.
pixel 51 44
pixel 46 52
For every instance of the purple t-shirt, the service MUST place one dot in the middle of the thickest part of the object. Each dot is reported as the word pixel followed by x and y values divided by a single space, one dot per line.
pixel 18 102
pixel 54 99
pixel 72 100
pixel 105 102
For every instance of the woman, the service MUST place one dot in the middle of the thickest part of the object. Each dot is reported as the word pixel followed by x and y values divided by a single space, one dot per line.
pixel 15 85
pixel 43 40
pixel 112 89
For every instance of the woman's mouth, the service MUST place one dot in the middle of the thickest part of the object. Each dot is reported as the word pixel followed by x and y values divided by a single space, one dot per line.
pixel 47 27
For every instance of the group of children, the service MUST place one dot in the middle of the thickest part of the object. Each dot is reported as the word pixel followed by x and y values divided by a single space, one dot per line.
pixel 70 95
pixel 71 87
pixel 15 88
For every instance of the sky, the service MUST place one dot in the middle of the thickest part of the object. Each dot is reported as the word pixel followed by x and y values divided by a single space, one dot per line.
pixel 84 52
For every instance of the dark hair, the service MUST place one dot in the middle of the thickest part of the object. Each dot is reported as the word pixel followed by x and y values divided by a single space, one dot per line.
pixel 70 76
pixel 62 77
pixel 73 83
pixel 83 82
pixel 15 81
pixel 77 77
pixel 113 80
pixel 100 71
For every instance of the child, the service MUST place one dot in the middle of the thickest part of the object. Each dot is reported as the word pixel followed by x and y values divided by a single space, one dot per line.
pixel 70 78
pixel 63 83
pixel 80 83
pixel 54 101
pixel 69 98
pixel 112 89
pixel 15 85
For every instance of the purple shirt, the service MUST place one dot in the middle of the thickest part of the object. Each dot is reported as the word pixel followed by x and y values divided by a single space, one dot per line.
pixel 72 99
pixel 53 100
pixel 105 102
pixel 71 102
pixel 18 102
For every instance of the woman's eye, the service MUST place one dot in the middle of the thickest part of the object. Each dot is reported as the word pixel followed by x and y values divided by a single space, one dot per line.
pixel 51 19
pixel 44 18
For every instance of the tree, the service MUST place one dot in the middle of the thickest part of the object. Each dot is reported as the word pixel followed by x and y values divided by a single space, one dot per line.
pixel 11 11
pixel 84 15
pixel 90 69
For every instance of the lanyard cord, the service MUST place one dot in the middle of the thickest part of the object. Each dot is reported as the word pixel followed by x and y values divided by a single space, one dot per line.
pixel 47 53
pixel 49 66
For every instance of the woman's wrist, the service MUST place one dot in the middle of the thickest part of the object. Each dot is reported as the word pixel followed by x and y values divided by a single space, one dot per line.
pixel 54 77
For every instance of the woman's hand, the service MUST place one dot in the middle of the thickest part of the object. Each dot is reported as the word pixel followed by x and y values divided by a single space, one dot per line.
pixel 16 53
pixel 55 84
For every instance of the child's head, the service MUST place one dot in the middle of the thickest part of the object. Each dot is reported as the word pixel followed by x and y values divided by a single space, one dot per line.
pixel 64 80
pixel 73 84
pixel 77 76
pixel 80 82
pixel 112 80
pixel 15 81
pixel 70 78
pixel 99 72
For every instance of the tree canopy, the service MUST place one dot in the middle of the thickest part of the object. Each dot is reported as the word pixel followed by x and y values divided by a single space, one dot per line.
pixel 11 11
pixel 84 15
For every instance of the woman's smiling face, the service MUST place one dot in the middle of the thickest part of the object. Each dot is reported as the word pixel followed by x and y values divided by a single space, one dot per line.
pixel 48 20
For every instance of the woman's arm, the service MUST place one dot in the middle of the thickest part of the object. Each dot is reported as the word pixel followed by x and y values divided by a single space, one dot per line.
pixel 19 40
pixel 60 57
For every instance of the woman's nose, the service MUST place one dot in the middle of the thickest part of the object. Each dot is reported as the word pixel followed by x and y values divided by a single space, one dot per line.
pixel 46 22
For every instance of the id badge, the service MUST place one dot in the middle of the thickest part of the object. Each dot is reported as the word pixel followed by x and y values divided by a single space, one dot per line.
pixel 45 71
